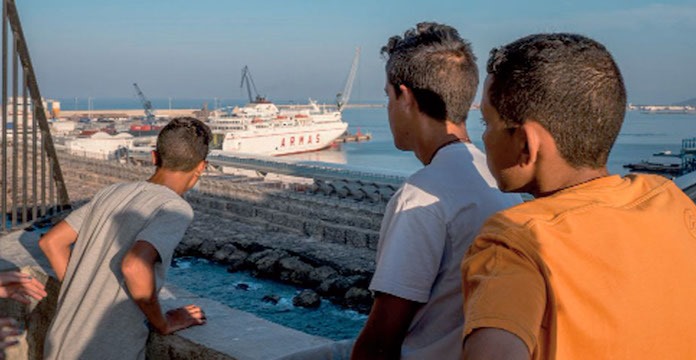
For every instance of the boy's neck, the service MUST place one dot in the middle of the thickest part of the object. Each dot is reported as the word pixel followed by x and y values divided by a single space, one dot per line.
pixel 566 178
pixel 435 135
pixel 177 181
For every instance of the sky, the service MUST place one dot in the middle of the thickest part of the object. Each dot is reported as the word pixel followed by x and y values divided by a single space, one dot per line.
pixel 301 49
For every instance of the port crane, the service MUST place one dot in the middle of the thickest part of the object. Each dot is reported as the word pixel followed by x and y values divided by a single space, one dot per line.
pixel 147 105
pixel 343 97
pixel 249 81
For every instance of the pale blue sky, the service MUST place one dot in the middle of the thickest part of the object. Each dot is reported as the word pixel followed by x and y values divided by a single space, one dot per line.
pixel 300 49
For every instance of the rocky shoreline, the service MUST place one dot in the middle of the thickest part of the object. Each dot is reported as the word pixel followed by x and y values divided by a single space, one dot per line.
pixel 335 272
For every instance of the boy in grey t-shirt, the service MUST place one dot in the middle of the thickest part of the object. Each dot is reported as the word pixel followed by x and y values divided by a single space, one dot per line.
pixel 112 255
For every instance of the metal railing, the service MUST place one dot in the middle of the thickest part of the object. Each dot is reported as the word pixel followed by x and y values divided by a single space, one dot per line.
pixel 32 182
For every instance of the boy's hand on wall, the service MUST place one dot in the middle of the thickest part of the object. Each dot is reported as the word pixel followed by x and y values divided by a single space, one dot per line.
pixel 21 287
pixel 183 317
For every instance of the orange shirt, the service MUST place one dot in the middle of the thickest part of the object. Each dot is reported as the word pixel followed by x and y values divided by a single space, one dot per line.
pixel 606 269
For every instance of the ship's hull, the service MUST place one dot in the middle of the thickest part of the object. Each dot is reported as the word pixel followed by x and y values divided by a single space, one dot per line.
pixel 277 141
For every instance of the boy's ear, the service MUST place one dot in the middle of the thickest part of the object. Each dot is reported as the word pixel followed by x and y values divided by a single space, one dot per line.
pixel 200 168
pixel 406 98
pixel 155 156
pixel 529 142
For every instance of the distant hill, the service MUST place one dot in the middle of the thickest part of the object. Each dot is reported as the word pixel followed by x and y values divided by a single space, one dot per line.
pixel 690 102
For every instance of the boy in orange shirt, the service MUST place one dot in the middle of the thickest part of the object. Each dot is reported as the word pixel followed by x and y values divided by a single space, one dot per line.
pixel 597 266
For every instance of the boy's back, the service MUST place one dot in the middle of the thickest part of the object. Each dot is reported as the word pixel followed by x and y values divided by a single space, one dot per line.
pixel 94 308
pixel 605 254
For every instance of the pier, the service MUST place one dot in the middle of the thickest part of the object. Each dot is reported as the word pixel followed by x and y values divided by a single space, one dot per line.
pixel 671 165
pixel 357 137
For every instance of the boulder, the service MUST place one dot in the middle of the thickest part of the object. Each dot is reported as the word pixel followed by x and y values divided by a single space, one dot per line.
pixel 307 299
pixel 294 270
pixel 208 248
pixel 236 261
pixel 242 286
pixel 318 275
pixel 265 263
pixel 271 299
pixel 224 252
pixel 337 286
pixel 358 299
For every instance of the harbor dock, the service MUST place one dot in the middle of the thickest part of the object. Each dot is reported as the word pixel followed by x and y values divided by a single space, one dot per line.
pixel 357 137
pixel 668 164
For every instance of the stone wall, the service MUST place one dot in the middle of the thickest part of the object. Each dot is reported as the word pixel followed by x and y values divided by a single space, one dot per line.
pixel 276 206
pixel 274 229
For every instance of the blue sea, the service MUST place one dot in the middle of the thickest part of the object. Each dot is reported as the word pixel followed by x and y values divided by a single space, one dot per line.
pixel 244 292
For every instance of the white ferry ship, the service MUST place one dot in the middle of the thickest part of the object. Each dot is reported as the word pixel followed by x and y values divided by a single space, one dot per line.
pixel 261 128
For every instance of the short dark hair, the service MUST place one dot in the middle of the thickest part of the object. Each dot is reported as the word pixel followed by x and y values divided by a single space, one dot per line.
pixel 182 144
pixel 438 66
pixel 568 83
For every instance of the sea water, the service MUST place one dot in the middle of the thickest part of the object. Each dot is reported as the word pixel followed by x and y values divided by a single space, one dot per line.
pixel 242 291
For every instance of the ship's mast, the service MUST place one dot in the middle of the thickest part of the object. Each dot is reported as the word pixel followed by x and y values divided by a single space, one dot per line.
pixel 343 97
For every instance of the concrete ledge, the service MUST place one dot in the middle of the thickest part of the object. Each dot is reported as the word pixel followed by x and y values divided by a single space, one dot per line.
pixel 229 333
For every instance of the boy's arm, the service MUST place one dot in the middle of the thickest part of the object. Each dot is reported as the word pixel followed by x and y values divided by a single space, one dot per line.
pixel 494 344
pixel 386 328
pixel 505 294
pixel 139 274
pixel 55 244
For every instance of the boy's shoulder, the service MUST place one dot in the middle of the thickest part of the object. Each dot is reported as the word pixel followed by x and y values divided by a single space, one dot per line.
pixel 143 193
pixel 593 199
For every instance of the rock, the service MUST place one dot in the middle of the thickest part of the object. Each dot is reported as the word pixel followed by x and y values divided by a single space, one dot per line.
pixel 271 299
pixel 294 270
pixel 208 248
pixel 266 262
pixel 224 252
pixel 189 245
pixel 318 275
pixel 307 299
pixel 249 245
pixel 242 286
pixel 359 299
pixel 236 261
pixel 337 286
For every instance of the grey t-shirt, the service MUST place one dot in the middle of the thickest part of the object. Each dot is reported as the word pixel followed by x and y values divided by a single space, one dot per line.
pixel 95 317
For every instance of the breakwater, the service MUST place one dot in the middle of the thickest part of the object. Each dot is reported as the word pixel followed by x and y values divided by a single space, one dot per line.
pixel 276 228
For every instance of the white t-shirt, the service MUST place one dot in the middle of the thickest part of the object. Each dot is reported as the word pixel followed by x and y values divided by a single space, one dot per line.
pixel 427 227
